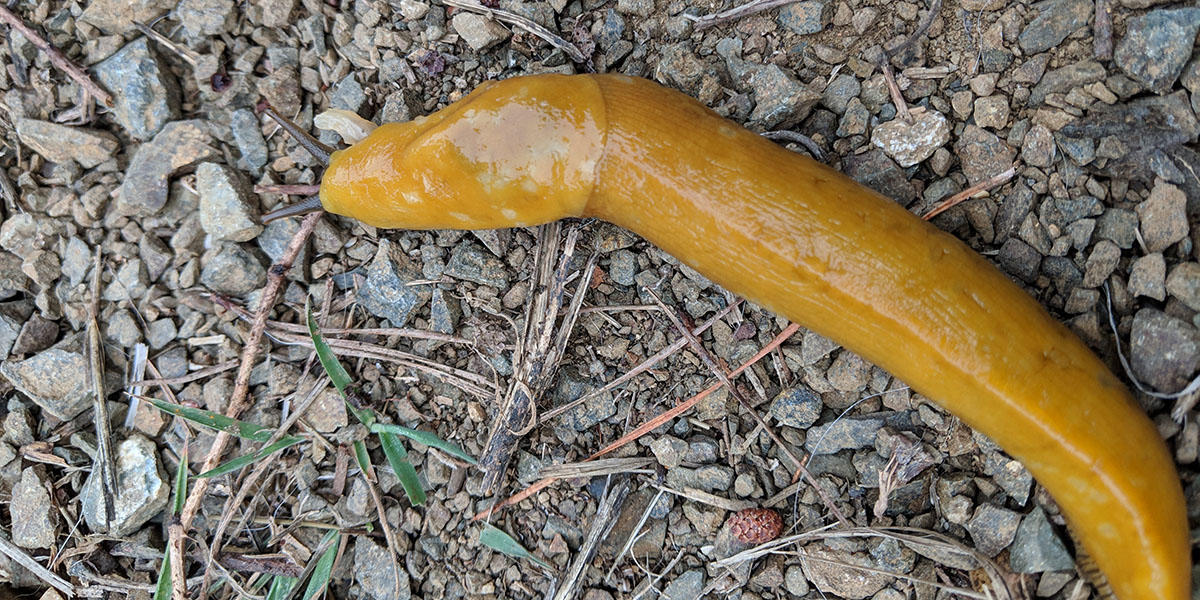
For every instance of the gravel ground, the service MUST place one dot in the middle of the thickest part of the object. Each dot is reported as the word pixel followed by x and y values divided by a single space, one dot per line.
pixel 1091 104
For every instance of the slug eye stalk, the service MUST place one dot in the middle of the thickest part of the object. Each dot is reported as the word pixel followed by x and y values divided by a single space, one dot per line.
pixel 314 146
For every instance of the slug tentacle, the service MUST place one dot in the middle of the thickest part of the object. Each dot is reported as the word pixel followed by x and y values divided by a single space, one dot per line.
pixel 314 146
pixel 308 205
pixel 810 244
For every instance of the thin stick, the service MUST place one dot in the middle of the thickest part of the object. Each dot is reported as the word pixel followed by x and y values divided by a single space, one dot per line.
pixel 894 91
pixel 19 556
pixel 962 196
pixel 239 400
pixel 736 12
pixel 571 50
pixel 95 349
pixel 57 58
pixel 934 8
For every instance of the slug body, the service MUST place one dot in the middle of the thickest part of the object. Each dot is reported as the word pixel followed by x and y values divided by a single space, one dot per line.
pixel 808 243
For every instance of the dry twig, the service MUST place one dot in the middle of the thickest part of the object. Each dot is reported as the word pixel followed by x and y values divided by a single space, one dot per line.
pixel 95 349
pixel 17 555
pixel 239 400
pixel 962 196
pixel 90 88
pixel 737 12
pixel 571 50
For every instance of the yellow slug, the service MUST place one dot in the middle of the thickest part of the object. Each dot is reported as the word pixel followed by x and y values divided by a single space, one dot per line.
pixel 810 244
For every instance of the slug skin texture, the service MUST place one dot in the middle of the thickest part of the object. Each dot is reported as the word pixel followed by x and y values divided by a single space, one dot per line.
pixel 810 244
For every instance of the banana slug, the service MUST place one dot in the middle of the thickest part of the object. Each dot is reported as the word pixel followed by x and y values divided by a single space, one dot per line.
pixel 808 243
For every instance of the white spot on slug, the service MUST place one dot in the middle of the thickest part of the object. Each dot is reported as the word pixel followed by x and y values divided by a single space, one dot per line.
pixel 460 217
pixel 509 213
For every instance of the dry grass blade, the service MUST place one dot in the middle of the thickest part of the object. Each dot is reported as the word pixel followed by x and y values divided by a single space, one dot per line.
pixel 609 466
pixel 540 347
pixel 17 555
pixel 736 12
pixel 909 536
pixel 95 349
pixel 514 19
pixel 602 522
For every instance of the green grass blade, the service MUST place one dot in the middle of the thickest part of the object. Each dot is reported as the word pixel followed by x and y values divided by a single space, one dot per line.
pixel 328 359
pixel 425 437
pixel 281 585
pixel 217 421
pixel 252 457
pixel 181 479
pixel 162 589
pixel 499 541
pixel 361 457
pixel 397 456
pixel 324 568
pixel 365 416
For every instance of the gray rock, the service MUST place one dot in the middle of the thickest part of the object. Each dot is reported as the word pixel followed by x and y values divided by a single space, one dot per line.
pixel 1038 147
pixel 805 17
pixel 274 239
pixel 386 293
pixel 843 434
pixel 569 387
pixel 42 267
pixel 1009 474
pixel 130 283
pixel 1101 263
pixel 227 209
pixel 17 429
pixel 848 373
pixel 710 478
pixel 854 120
pixel 34 518
pixel 228 268
pixel 348 95
pixel 1119 225
pixel 60 143
pixel 992 111
pixel 205 17
pixel 37 334
pixel 56 380
pixel 470 262
pixel 145 93
pixel 10 327
pixel 875 170
pixel 840 91
pixel 478 31
pixel 119 16
pixel 797 407
pixel 795 582
pixel 685 587
pixel 122 329
pixel 281 89
pixel 1157 45
pixel 1020 259
pixel 641 8
pixel 1163 217
pixel 1063 79
pixel 277 13
pixel 983 155
pixel 911 143
pixel 835 572
pixel 161 332
pixel 247 134
pixel 155 255
pixel 179 144
pixel 622 267
pixel 444 312
pixel 780 100
pixel 375 572
pixel 992 528
pixel 1056 20
pixel 1036 548
pixel 669 450
pixel 141 493
pixel 1184 284
pixel 1164 350
pixel 1147 277
pixel 1063 272
pixel 609 30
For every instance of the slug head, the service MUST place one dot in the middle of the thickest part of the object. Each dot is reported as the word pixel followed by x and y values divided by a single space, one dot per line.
pixel 513 153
